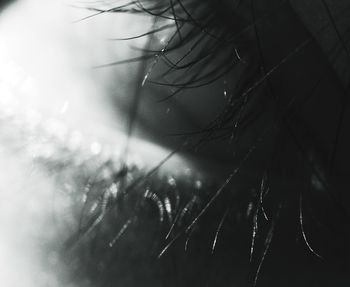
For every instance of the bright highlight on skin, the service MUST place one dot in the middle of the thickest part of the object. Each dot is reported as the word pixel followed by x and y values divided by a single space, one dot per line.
pixel 51 92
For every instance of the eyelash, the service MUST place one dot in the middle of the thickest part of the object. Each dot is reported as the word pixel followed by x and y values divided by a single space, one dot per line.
pixel 261 208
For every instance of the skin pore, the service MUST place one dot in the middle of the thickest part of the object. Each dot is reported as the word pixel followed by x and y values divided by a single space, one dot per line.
pixel 256 193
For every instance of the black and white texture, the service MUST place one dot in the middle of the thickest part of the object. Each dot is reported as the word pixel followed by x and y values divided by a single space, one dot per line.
pixel 256 112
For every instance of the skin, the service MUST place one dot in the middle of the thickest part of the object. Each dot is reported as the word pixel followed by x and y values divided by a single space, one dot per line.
pixel 107 94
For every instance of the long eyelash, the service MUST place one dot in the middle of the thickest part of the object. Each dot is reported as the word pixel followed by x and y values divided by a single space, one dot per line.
pixel 301 221
pixel 263 192
pixel 199 36
pixel 218 230
pixel 121 8
pixel 267 244
pixel 160 10
pixel 209 77
pixel 189 229
pixel 153 31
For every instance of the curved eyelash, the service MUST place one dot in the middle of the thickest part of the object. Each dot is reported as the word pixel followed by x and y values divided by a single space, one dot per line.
pixel 214 50
pixel 193 34
pixel 205 23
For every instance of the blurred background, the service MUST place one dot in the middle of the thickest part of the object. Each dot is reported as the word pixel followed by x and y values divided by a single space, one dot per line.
pixel 53 95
